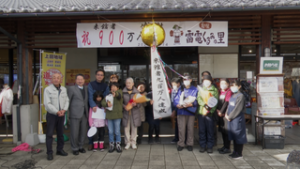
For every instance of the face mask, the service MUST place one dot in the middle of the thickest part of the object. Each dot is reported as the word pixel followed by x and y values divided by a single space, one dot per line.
pixel 175 87
pixel 224 86
pixel 186 83
pixel 206 83
pixel 234 89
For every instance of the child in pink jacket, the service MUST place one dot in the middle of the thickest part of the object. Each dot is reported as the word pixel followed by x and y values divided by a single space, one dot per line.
pixel 99 123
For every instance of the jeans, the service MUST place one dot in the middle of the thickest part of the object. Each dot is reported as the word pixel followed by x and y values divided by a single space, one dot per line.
pixel 114 129
pixel 206 131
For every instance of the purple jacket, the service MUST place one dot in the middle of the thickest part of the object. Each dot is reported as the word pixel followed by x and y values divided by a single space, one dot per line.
pixel 192 91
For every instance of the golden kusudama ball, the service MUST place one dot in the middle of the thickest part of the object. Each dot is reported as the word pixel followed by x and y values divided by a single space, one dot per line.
pixel 148 33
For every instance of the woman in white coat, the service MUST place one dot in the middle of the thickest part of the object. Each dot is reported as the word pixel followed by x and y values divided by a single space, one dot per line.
pixel 6 99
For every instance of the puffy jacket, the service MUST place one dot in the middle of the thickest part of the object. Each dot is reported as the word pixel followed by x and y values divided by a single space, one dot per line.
pixel 55 100
pixel 192 91
pixel 117 111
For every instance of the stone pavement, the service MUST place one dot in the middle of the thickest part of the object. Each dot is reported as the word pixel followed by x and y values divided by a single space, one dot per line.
pixel 158 156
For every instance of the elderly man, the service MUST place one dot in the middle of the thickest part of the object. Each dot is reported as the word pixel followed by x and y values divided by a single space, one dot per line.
pixel 78 109
pixel 56 103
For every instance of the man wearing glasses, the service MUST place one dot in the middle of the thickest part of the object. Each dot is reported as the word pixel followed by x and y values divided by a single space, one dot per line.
pixel 97 85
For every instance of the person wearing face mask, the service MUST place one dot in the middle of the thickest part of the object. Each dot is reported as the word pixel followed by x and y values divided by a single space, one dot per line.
pixel 205 115
pixel 225 94
pixel 186 114
pixel 235 120
pixel 175 86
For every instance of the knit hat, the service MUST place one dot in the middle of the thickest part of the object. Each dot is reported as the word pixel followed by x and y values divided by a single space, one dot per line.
pixel 207 77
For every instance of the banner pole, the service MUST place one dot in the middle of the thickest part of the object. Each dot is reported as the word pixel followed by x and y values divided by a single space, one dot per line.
pixel 41 86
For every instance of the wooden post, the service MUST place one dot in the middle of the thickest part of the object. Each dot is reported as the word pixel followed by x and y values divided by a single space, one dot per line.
pixel 27 83
pixel 266 22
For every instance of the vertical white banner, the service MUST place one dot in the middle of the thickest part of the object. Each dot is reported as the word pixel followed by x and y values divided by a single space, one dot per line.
pixel 161 97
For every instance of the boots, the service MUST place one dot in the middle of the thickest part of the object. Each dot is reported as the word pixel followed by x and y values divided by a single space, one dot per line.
pixel 101 145
pixel 118 147
pixel 111 147
pixel 95 146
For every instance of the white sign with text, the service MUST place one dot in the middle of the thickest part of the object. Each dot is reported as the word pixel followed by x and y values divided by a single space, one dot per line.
pixel 128 34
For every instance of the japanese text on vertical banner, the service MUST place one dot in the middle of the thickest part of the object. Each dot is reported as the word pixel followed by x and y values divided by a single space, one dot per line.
pixel 128 34
pixel 51 63
pixel 161 97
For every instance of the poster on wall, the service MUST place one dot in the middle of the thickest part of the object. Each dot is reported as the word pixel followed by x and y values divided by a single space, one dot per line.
pixel 51 63
pixel 128 34
pixel 71 76
pixel 271 65
pixel 161 97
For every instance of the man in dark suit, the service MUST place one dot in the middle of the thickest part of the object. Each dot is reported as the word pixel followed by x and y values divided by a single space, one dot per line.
pixel 78 95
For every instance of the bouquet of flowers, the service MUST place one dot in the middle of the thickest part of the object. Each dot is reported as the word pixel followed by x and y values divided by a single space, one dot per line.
pixel 137 98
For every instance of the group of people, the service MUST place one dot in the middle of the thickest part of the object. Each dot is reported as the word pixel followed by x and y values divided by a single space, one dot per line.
pixel 227 114
pixel 82 101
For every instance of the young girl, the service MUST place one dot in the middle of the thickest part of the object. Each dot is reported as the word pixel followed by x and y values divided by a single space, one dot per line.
pixel 235 119
pixel 99 123
pixel 114 117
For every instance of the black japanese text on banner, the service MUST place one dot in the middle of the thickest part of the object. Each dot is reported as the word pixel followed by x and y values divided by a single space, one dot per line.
pixel 161 97
pixel 128 34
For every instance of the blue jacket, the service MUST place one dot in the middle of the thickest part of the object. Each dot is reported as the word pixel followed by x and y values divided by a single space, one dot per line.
pixel 192 91
pixel 173 95
pixel 95 86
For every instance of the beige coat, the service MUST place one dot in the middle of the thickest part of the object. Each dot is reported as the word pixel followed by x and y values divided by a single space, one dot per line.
pixel 135 111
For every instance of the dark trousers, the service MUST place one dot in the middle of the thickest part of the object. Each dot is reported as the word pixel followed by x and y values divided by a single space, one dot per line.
pixel 154 125
pixel 238 148
pixel 226 142
pixel 176 130
pixel 140 131
pixel 206 131
pixel 91 139
pixel 54 121
pixel 99 136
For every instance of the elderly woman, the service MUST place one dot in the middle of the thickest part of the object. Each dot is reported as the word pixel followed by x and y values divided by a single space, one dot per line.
pixel 131 118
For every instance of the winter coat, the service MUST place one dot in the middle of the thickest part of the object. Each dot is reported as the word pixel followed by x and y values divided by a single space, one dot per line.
pixel 117 111
pixel 135 111
pixel 142 110
pixel 236 126
pixel 214 92
pixel 6 97
pixel 192 91
pixel 55 100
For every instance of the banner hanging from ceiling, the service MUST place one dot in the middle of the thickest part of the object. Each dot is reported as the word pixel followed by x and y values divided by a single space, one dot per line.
pixel 128 34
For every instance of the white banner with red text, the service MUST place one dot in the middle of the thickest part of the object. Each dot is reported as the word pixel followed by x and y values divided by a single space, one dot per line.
pixel 128 34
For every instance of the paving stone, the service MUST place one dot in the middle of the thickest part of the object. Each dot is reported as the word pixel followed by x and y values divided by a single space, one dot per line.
pixel 60 162
pixel 122 167
pixel 157 167
pixel 141 163
pixel 76 162
pixel 88 166
pixel 243 166
pixel 226 166
pixel 139 167
pixel 54 167
pixel 207 163
pixel 174 167
pixel 71 166
pixel 262 167
pixel 191 167
pixel 104 166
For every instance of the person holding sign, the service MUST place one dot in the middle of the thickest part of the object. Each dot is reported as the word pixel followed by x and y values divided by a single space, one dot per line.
pixel 97 120
pixel 78 109
pixel 186 104
pixel 56 102
pixel 225 94
pixel 207 105
pixel 235 120
pixel 131 115
pixel 114 117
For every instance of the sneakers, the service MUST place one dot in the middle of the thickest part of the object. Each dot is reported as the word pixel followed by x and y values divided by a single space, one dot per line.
pixel 179 148
pixel 202 150
pixel 95 146
pixel 111 147
pixel 118 147
pixel 225 151
pixel 230 155
pixel 127 146
pixel 190 148
pixel 221 149
pixel 101 145
pixel 134 146
pixel 236 156
pixel 209 150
